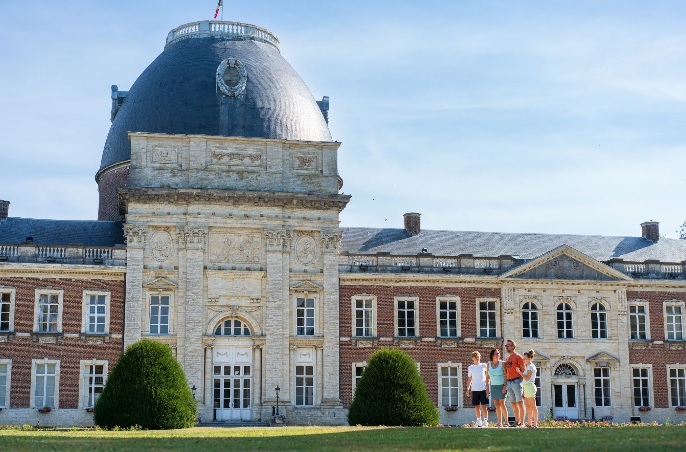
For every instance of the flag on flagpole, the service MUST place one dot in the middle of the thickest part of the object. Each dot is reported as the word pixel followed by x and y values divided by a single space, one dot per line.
pixel 219 5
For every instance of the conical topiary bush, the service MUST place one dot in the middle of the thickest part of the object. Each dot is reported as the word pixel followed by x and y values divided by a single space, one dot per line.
pixel 146 388
pixel 391 392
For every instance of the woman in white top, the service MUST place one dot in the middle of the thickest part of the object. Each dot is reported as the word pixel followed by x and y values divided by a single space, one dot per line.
pixel 529 387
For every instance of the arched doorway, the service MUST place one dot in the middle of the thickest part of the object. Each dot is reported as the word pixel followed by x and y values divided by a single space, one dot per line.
pixel 232 371
pixel 566 392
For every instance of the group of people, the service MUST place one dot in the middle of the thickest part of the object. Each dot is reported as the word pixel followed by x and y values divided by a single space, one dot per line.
pixel 515 378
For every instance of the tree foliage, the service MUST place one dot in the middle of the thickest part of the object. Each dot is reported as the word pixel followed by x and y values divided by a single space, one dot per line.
pixel 146 388
pixel 391 392
pixel 682 231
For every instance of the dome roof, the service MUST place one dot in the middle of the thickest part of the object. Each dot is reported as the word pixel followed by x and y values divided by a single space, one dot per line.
pixel 179 92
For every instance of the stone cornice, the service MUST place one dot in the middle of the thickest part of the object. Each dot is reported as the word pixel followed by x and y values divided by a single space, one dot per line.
pixel 58 271
pixel 233 197
pixel 371 279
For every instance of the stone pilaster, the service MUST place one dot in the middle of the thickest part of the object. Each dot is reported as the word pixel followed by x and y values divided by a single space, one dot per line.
pixel 277 321
pixel 133 306
pixel 508 320
pixel 191 307
pixel 330 354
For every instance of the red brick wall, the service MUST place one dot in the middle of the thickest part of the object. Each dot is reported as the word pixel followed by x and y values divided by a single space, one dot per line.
pixel 428 354
pixel 108 185
pixel 22 349
pixel 658 355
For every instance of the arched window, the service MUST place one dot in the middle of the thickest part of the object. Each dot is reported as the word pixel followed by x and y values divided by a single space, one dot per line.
pixel 598 321
pixel 232 327
pixel 564 321
pixel 565 370
pixel 530 320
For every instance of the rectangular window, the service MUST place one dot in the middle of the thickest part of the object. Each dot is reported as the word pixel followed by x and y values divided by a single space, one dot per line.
pixel 537 382
pixel 674 324
pixel 407 318
pixel 641 386
pixel 6 311
pixel 598 321
pixel 448 318
pixel 96 314
pixel 487 319
pixel 45 384
pixel 677 386
pixel 304 385
pixel 450 386
pixel 159 314
pixel 358 369
pixel 364 317
pixel 93 383
pixel 304 314
pixel 4 383
pixel 637 322
pixel 601 381
pixel 530 320
pixel 48 313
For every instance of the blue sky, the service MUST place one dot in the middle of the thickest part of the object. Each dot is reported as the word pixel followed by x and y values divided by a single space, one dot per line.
pixel 513 116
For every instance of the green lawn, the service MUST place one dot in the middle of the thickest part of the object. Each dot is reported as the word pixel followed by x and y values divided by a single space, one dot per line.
pixel 350 439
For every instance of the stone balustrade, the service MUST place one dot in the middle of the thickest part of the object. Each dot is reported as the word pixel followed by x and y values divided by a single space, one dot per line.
pixel 236 30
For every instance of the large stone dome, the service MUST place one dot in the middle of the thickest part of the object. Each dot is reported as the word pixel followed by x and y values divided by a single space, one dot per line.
pixel 184 91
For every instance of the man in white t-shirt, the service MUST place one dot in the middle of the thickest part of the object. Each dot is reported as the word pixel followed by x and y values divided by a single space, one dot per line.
pixel 476 385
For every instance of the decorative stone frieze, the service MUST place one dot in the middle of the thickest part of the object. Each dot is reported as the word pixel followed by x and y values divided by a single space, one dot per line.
pixel 238 248
pixel 192 238
pixel 331 241
pixel 233 197
pixel 278 240
pixel 135 236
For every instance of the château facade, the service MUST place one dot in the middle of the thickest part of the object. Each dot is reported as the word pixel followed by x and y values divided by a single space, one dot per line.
pixel 218 234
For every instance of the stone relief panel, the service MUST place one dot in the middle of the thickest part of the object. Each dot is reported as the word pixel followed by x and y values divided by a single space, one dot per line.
pixel 235 247
pixel 233 287
pixel 305 161
pixel 161 246
pixel 306 248
pixel 162 156
pixel 236 156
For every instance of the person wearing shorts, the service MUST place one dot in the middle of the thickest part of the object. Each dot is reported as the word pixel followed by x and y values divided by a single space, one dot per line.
pixel 529 377
pixel 495 387
pixel 514 365
pixel 476 385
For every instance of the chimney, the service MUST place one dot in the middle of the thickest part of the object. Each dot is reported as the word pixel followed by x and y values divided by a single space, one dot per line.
pixel 4 209
pixel 412 223
pixel 651 230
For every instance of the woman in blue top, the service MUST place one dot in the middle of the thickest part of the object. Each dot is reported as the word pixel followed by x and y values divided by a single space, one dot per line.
pixel 496 387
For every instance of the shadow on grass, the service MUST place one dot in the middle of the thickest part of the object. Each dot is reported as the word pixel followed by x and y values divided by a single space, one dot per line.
pixel 313 439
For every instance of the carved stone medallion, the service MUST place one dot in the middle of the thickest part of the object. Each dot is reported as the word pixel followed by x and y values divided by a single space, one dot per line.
pixel 161 246
pixel 305 249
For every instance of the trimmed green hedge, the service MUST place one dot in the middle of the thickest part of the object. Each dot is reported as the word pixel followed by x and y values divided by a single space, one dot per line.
pixel 146 388
pixel 391 392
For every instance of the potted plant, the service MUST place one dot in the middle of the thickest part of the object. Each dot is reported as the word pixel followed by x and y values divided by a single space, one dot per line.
pixel 450 408
pixel 644 408
pixel 680 408
pixel 279 418
pixel 90 409
pixel 45 409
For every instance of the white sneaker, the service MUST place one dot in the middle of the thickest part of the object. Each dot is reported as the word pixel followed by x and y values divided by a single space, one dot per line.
pixel 478 423
pixel 484 424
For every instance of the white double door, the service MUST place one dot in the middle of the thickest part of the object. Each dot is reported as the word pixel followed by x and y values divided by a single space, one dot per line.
pixel 565 400
pixel 232 383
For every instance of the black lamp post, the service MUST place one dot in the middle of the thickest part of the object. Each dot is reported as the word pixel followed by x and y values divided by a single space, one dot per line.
pixel 193 389
pixel 277 389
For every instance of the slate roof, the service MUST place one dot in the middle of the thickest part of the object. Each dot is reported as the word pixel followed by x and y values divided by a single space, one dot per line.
pixel 177 94
pixel 523 246
pixel 14 230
